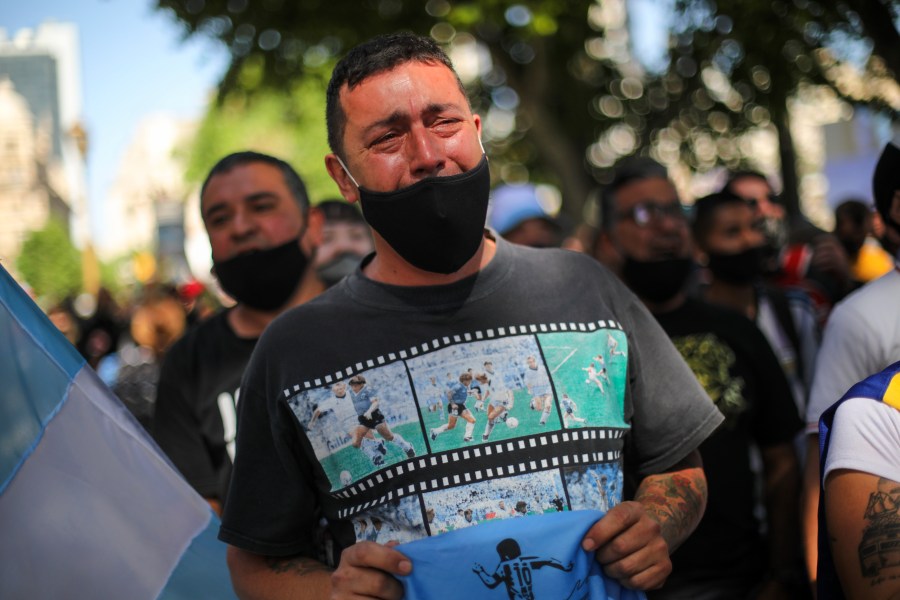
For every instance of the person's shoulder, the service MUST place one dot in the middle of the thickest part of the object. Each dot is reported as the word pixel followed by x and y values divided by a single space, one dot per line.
pixel 560 266
pixel 868 300
pixel 210 330
pixel 315 312
pixel 730 326
pixel 717 315
pixel 876 289
pixel 551 256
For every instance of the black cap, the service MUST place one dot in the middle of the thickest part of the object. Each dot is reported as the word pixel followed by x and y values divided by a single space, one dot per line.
pixel 886 180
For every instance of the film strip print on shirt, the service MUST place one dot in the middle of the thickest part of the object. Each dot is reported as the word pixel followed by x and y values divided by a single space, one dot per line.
pixel 449 340
pixel 558 449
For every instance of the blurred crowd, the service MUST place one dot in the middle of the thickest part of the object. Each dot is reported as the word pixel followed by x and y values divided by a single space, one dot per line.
pixel 125 339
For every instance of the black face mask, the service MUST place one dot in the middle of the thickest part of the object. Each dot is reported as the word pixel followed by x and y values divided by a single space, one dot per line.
pixel 263 279
pixel 338 268
pixel 740 268
pixel 435 224
pixel 656 280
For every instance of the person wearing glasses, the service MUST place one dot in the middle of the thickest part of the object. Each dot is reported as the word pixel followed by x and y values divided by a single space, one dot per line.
pixel 645 238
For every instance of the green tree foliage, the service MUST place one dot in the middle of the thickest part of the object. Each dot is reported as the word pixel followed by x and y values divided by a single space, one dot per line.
pixel 733 66
pixel 561 95
pixel 49 262
pixel 285 122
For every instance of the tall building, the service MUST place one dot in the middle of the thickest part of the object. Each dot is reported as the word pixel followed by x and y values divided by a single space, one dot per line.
pixel 146 203
pixel 29 181
pixel 41 73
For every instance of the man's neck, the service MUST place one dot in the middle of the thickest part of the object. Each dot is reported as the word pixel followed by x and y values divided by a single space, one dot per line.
pixel 248 322
pixel 389 267
pixel 658 308
pixel 740 297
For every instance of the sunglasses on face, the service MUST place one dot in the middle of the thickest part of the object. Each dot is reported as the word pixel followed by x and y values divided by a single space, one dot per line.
pixel 754 203
pixel 643 213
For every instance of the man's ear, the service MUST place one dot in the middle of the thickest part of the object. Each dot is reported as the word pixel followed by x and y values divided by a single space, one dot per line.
pixel 312 237
pixel 348 189
pixel 894 212
pixel 700 257
pixel 605 251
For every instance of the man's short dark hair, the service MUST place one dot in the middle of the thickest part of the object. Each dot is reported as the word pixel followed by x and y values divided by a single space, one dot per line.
pixel 853 211
pixel 704 211
pixel 626 171
pixel 379 54
pixel 744 174
pixel 340 211
pixel 291 178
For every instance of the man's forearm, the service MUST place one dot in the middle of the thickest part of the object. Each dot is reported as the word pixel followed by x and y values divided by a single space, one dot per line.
pixel 809 509
pixel 256 577
pixel 676 499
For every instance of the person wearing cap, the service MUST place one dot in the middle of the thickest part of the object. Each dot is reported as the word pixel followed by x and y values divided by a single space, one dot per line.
pixel 526 214
pixel 862 337
pixel 438 291
pixel 262 233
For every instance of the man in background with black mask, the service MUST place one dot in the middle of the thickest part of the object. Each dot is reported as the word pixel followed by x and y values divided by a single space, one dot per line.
pixel 346 240
pixel 795 253
pixel 440 294
pixel 645 238
pixel 731 245
pixel 263 235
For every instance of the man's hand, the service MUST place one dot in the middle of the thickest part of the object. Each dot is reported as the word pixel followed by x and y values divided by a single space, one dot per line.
pixel 634 540
pixel 366 571
pixel 630 546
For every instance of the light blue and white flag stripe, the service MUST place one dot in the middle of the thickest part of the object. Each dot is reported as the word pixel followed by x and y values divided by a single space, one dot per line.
pixel 89 506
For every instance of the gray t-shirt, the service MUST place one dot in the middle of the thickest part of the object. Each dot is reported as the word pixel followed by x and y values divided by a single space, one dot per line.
pixel 301 490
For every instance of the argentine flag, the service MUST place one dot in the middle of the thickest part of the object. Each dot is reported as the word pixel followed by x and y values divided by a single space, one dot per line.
pixel 89 506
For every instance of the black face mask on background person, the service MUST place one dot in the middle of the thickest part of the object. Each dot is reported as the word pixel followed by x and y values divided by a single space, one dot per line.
pixel 435 224
pixel 656 280
pixel 739 268
pixel 338 268
pixel 263 279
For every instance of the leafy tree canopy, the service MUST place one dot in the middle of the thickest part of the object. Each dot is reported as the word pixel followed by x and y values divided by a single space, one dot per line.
pixel 287 122
pixel 49 262
pixel 556 81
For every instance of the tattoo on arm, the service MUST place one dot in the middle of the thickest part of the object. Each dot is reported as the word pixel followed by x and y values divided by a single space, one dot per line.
pixel 878 557
pixel 298 565
pixel 676 501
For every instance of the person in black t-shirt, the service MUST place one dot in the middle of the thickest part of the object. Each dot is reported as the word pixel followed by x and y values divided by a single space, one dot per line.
pixel 406 144
pixel 645 239
pixel 262 232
